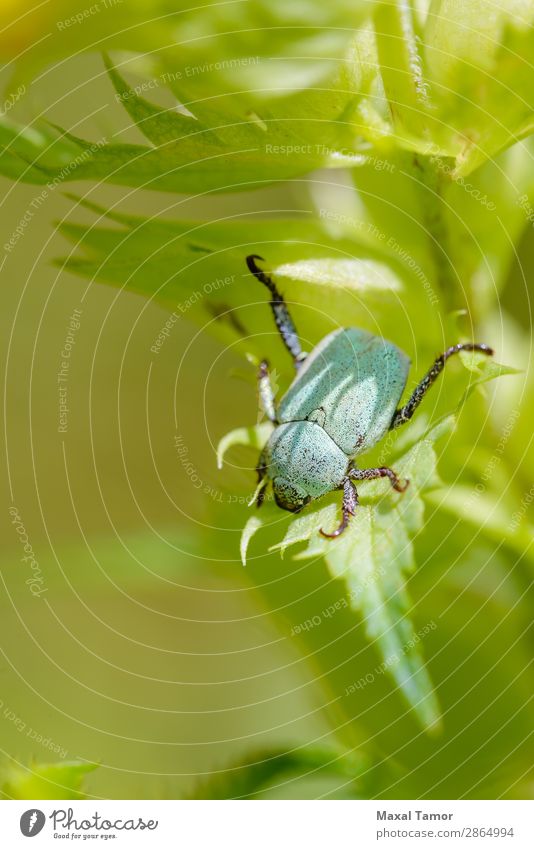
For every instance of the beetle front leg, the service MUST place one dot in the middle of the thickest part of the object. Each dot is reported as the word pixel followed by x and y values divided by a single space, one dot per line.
pixel 350 502
pixel 405 413
pixel 282 318
pixel 265 392
pixel 381 472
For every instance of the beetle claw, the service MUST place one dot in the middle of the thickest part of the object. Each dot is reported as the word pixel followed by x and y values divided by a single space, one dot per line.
pixel 338 531
pixel 402 486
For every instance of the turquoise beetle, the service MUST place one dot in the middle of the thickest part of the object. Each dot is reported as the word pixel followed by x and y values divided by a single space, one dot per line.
pixel 343 400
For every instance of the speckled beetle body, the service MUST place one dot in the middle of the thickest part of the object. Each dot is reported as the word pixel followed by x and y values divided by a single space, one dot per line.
pixel 343 400
pixel 350 384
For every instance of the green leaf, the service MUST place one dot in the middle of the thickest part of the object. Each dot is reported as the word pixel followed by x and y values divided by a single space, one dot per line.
pixel 401 68
pixel 63 780
pixel 35 154
pixel 375 553
pixel 373 558
pixel 255 437
pixel 359 274
pixel 259 769
pixel 454 80
pixel 199 147
pixel 484 367
pixel 253 525
pixel 197 271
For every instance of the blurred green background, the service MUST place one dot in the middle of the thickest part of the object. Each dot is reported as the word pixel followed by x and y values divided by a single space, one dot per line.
pixel 152 651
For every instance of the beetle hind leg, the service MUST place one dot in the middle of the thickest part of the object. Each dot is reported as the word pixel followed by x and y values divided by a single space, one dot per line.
pixel 404 414
pixel 380 472
pixel 350 502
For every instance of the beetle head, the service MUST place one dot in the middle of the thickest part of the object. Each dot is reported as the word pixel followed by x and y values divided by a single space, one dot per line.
pixel 289 496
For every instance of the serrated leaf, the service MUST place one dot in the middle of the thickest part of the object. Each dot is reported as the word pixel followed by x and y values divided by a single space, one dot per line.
pixel 304 527
pixel 202 148
pixel 197 270
pixel 373 557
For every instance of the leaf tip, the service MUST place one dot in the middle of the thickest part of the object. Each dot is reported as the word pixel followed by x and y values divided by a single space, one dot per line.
pixel 252 526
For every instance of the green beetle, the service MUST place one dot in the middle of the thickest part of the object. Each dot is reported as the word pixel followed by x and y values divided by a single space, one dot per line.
pixel 343 400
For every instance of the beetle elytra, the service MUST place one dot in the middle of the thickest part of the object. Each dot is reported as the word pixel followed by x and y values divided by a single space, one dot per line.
pixel 343 400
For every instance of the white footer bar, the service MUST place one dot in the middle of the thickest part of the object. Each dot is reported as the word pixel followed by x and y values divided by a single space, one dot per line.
pixel 269 824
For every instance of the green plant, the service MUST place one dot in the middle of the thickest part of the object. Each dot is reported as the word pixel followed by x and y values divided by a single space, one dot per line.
pixel 62 780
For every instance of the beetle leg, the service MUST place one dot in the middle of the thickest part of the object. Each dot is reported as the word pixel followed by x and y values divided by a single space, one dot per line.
pixel 350 502
pixel 381 472
pixel 262 486
pixel 261 471
pixel 282 318
pixel 265 392
pixel 405 413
